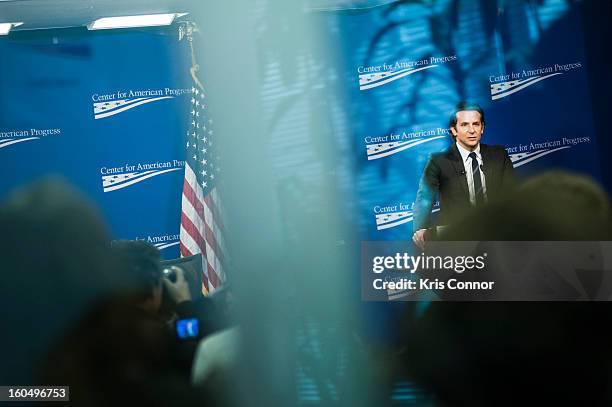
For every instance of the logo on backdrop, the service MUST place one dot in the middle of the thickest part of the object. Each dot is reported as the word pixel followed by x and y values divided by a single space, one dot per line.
pixel 378 75
pixel 162 241
pixel 110 104
pixel 383 146
pixel 394 215
pixel 506 85
pixel 114 178
pixel 10 138
pixel 525 153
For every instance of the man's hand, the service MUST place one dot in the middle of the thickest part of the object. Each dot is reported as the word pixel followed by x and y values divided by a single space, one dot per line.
pixel 419 238
pixel 179 290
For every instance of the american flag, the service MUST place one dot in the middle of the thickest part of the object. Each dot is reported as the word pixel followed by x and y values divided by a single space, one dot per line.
pixel 201 217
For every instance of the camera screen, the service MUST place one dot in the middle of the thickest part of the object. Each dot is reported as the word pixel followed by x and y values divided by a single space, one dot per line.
pixel 187 328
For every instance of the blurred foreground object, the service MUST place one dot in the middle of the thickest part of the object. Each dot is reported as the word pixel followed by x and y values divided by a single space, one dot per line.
pixel 56 259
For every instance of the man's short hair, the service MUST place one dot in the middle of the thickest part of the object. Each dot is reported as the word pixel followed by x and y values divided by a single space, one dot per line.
pixel 142 263
pixel 463 105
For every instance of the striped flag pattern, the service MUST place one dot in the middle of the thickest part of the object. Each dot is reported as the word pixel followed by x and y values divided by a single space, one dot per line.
pixel 201 212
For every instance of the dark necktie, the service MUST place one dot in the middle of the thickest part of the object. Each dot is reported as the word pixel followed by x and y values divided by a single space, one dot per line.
pixel 478 192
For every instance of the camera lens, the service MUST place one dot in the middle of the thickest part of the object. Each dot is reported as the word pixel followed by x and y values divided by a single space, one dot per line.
pixel 170 274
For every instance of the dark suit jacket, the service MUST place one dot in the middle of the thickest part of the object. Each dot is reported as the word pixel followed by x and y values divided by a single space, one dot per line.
pixel 445 174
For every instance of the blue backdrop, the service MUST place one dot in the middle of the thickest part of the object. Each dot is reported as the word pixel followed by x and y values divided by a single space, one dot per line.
pixel 107 110
pixel 407 64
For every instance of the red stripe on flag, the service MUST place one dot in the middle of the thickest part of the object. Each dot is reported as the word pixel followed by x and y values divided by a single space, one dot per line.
pixel 214 280
pixel 214 210
pixel 193 231
pixel 192 197
pixel 197 204
pixel 185 251
pixel 210 238
pixel 197 237
pixel 208 234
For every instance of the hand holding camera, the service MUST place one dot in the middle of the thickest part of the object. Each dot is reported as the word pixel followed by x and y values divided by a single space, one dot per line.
pixel 176 284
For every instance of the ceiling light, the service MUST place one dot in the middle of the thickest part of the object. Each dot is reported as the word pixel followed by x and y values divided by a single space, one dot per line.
pixel 149 20
pixel 6 27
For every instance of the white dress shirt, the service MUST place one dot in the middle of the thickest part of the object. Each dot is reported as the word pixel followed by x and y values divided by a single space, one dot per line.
pixel 467 164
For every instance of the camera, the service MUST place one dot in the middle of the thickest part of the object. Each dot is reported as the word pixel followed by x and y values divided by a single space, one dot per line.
pixel 170 273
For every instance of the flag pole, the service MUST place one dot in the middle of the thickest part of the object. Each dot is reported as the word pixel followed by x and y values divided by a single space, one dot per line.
pixel 186 30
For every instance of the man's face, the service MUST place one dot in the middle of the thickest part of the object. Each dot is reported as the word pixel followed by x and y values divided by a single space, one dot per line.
pixel 468 129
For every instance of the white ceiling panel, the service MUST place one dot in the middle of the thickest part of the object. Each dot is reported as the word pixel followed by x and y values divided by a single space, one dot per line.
pixel 40 14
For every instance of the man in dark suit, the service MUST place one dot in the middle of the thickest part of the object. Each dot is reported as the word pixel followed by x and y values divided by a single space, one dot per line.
pixel 467 174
